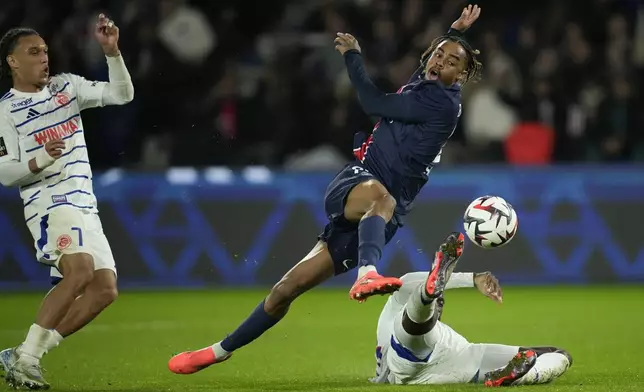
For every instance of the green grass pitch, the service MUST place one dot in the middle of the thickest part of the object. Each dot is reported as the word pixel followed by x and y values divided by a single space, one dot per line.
pixel 327 342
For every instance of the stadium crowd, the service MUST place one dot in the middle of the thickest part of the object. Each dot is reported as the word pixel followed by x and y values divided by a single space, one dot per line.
pixel 258 82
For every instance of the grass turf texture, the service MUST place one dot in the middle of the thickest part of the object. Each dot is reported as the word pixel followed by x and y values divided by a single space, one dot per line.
pixel 327 342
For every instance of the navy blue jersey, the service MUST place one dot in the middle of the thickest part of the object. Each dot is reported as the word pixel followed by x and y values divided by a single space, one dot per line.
pixel 415 123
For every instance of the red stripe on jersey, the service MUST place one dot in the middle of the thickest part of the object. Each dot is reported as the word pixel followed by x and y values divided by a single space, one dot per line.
pixel 362 150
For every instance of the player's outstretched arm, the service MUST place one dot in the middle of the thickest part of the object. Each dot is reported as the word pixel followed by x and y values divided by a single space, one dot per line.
pixel 413 279
pixel 405 107
pixel 484 282
pixel 120 89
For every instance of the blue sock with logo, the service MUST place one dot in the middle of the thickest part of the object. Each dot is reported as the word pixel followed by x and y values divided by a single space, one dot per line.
pixel 371 240
pixel 253 327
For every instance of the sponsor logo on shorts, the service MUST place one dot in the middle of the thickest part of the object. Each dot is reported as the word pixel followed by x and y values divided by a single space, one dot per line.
pixel 59 199
pixel 63 242
pixel 348 264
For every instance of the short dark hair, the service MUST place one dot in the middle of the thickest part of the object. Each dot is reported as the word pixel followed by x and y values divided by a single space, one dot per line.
pixel 8 44
pixel 473 67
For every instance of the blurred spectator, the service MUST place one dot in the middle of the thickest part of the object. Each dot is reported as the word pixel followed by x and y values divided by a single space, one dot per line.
pixel 253 82
pixel 611 135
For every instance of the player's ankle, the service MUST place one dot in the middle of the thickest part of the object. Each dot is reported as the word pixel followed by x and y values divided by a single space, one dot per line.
pixel 54 340
pixel 427 298
pixel 35 342
pixel 219 351
pixel 365 269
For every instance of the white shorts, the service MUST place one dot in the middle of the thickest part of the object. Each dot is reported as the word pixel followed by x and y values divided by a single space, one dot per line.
pixel 67 230
pixel 453 360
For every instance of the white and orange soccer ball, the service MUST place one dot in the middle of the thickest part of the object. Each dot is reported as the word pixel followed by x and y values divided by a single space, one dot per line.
pixel 490 222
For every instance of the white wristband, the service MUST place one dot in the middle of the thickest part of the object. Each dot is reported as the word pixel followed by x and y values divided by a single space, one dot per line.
pixel 43 159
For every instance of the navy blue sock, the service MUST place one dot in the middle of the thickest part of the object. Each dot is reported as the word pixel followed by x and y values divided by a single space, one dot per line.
pixel 371 240
pixel 253 327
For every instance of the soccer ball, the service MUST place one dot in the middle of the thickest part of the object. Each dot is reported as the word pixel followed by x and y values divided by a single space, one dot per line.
pixel 490 222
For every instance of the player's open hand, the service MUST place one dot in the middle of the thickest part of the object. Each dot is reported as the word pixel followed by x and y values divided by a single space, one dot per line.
pixel 345 42
pixel 489 285
pixel 469 15
pixel 107 35
pixel 55 148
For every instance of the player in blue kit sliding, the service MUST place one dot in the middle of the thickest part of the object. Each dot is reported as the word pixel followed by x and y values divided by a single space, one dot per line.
pixel 366 201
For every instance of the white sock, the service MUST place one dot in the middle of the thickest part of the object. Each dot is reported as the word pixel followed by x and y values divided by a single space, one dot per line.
pixel 418 311
pixel 219 351
pixel 54 340
pixel 362 271
pixel 34 346
pixel 548 367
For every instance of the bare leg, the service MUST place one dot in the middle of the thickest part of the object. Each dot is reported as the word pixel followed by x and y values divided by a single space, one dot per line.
pixel 78 270
pixel 314 269
pixel 372 207
pixel 98 295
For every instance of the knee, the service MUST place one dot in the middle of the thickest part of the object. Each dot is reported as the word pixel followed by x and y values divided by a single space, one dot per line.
pixel 284 293
pixel 106 296
pixel 77 270
pixel 379 199
pixel 384 204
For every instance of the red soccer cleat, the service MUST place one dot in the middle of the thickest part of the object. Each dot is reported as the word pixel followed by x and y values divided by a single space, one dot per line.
pixel 518 367
pixel 193 361
pixel 373 283
pixel 444 262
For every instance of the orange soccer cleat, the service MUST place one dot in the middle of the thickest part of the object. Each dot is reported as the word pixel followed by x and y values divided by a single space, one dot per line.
pixel 373 283
pixel 193 361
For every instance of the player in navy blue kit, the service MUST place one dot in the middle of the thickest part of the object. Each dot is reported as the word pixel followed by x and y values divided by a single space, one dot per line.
pixel 366 201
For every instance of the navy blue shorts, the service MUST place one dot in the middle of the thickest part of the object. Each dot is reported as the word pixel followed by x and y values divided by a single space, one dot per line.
pixel 341 235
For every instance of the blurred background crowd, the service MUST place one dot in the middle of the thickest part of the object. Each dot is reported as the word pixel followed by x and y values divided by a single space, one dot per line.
pixel 241 82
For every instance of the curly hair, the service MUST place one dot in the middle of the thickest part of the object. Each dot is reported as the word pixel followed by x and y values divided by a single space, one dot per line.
pixel 474 66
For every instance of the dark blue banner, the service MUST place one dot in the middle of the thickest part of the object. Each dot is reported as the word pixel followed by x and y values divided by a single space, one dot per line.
pixel 220 227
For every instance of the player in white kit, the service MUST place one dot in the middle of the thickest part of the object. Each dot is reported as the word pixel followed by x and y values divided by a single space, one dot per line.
pixel 43 152
pixel 414 347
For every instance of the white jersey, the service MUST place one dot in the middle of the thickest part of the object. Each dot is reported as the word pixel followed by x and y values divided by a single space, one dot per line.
pixel 29 120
